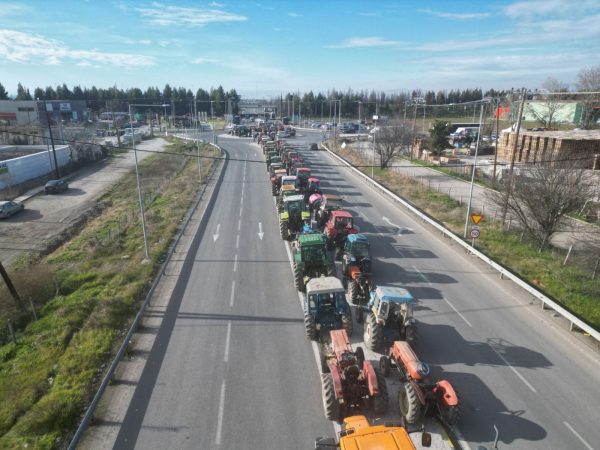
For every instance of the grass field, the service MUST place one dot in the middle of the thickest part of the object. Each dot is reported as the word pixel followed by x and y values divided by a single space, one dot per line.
pixel 88 291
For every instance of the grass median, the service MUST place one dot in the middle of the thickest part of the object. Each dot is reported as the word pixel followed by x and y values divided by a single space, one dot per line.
pixel 570 285
pixel 88 292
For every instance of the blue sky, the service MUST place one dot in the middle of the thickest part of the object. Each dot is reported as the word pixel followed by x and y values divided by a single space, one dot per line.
pixel 268 47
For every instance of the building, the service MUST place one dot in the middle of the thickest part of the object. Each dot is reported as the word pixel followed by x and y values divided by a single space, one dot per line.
pixel 537 146
pixel 20 163
pixel 31 112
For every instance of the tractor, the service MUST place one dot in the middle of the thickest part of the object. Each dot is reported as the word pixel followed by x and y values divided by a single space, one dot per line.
pixel 293 216
pixel 311 189
pixel 273 167
pixel 348 381
pixel 314 202
pixel 276 180
pixel 356 268
pixel 325 307
pixel 310 259
pixel 417 395
pixel 303 174
pixel 357 433
pixel 390 309
pixel 337 228
pixel 272 157
pixel 329 202
pixel 284 192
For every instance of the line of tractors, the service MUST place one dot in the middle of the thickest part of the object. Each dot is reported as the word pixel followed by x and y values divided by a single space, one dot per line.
pixel 320 231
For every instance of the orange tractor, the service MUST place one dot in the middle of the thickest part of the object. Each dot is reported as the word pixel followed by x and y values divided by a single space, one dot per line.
pixel 417 395
pixel 348 381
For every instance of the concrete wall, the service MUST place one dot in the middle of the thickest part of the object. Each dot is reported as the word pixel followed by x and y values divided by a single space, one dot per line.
pixel 22 169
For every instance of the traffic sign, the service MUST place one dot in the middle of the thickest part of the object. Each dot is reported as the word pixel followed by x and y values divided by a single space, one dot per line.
pixel 476 218
pixel 474 233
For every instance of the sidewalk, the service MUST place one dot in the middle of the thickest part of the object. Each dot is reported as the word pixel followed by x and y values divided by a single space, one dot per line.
pixel 581 235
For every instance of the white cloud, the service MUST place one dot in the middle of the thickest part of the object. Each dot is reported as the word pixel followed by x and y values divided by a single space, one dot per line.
pixel 365 42
pixel 455 16
pixel 216 5
pixel 368 14
pixel 138 42
pixel 293 14
pixel 24 48
pixel 204 61
pixel 12 9
pixel 527 8
pixel 164 15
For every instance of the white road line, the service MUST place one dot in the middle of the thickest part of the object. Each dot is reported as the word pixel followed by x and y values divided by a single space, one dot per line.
pixel 232 296
pixel 527 383
pixel 457 312
pixel 220 416
pixel 237 241
pixel 583 441
pixel 239 224
pixel 235 263
pixel 240 212
pixel 226 355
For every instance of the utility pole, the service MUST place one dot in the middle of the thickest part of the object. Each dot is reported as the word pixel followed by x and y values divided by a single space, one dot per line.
pixel 474 168
pixel 56 170
pixel 496 139
pixel 513 156
pixel 413 132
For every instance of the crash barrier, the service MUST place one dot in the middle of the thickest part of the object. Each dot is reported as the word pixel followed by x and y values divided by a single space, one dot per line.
pixel 136 322
pixel 504 272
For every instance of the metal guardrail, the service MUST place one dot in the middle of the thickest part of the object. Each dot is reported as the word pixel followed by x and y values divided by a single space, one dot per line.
pixel 574 321
pixel 134 326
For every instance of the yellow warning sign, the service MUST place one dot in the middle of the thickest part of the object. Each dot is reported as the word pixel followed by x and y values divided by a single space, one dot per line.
pixel 476 218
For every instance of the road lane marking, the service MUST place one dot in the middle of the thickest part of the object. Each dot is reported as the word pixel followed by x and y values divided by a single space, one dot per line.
pixel 527 383
pixel 216 235
pixel 583 441
pixel 237 241
pixel 235 263
pixel 220 416
pixel 239 223
pixel 232 296
pixel 226 356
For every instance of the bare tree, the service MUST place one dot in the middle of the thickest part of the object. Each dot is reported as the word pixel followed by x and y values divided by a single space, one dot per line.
pixel 390 140
pixel 543 194
pixel 588 80
pixel 546 111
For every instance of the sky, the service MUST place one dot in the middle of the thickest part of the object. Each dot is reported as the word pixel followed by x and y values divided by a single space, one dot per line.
pixel 263 49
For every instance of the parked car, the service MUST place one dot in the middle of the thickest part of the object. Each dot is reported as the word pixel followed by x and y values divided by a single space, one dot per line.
pixel 8 208
pixel 314 146
pixel 56 186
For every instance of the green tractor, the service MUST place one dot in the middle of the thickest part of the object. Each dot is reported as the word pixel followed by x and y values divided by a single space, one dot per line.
pixel 311 259
pixel 272 157
pixel 292 219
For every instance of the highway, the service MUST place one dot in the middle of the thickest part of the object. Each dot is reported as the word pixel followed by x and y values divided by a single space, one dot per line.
pixel 232 369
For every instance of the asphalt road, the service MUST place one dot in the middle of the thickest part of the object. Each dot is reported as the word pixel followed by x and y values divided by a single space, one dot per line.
pixel 512 367
pixel 231 367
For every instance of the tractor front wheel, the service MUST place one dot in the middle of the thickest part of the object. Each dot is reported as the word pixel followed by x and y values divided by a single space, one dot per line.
pixel 373 335
pixel 380 401
pixel 310 327
pixel 408 400
pixel 298 278
pixel 283 230
pixel 450 414
pixel 384 365
pixel 347 323
pixel 330 403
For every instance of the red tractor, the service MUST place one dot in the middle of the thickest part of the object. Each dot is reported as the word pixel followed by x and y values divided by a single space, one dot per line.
pixel 337 228
pixel 327 203
pixel 417 395
pixel 348 381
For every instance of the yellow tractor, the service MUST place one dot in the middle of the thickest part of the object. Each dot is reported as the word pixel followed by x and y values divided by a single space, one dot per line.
pixel 357 434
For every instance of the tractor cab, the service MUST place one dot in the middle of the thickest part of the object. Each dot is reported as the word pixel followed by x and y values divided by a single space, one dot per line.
pixel 274 167
pixel 303 174
pixel 293 216
pixel 388 301
pixel 284 192
pixel 276 180
pixel 314 186
pixel 356 253
pixel 325 306
pixel 314 202
pixel 289 180
pixel 338 227
pixel 329 202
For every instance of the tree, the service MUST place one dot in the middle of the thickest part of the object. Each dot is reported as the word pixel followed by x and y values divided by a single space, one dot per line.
pixel 390 140
pixel 3 93
pixel 544 194
pixel 39 93
pixel 22 93
pixel 439 133
pixel 588 80
pixel 546 111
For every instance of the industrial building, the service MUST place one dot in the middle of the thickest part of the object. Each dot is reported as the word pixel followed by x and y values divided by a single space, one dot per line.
pixel 32 112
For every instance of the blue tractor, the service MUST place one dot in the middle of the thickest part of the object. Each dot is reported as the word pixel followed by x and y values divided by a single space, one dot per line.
pixel 356 268
pixel 325 307
pixel 389 317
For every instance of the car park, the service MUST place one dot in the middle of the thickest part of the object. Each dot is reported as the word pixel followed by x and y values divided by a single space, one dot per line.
pixel 8 208
pixel 56 186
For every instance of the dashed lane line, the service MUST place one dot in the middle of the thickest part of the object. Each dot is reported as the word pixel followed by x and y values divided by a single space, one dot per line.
pixel 220 416
pixel 232 296
pixel 235 258
pixel 578 436
pixel 227 339
pixel 237 242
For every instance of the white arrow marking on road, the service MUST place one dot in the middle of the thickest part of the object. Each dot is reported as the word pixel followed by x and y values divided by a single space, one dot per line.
pixel 260 231
pixel 216 235
pixel 400 229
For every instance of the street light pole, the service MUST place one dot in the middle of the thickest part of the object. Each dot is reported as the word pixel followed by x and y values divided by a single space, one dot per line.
pixel 474 168
pixel 139 188
pixel 56 170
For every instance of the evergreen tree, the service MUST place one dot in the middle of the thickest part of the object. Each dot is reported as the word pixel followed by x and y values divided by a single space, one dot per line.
pixel 3 93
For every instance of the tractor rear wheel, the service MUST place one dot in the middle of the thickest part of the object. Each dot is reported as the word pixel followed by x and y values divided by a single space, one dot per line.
pixel 353 292
pixel 347 323
pixel 380 401
pixel 359 313
pixel 408 401
pixel 384 365
pixel 450 414
pixel 330 403
pixel 283 230
pixel 373 335
pixel 298 278
pixel 324 366
pixel 310 327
